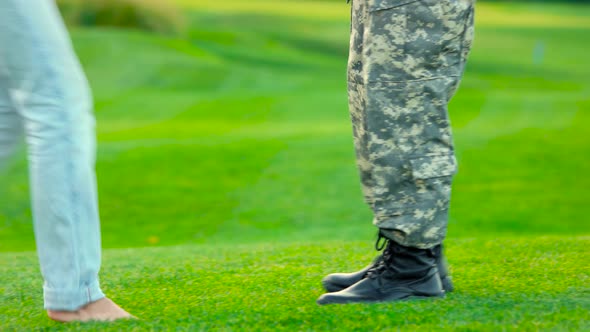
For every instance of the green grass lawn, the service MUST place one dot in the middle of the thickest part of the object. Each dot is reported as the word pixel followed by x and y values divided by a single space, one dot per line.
pixel 228 186
pixel 527 284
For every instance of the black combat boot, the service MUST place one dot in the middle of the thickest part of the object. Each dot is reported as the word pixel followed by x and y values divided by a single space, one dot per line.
pixel 402 273
pixel 338 281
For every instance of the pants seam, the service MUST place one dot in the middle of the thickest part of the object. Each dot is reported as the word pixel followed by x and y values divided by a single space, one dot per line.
pixel 406 81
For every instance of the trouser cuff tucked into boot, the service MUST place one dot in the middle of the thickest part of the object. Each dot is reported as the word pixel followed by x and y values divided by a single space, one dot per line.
pixel 412 230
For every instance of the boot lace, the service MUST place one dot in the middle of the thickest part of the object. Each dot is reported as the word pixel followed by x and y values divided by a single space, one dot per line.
pixel 381 266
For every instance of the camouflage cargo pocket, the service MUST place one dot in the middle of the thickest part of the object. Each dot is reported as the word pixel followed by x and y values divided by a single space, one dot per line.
pixel 414 40
pixel 424 185
pixel 432 176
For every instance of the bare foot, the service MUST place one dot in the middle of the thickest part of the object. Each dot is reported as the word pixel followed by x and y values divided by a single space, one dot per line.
pixel 103 310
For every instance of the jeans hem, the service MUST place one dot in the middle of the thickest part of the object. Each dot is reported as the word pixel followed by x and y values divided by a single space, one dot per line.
pixel 72 299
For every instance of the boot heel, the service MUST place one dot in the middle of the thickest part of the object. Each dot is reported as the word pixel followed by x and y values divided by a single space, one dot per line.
pixel 429 286
pixel 447 284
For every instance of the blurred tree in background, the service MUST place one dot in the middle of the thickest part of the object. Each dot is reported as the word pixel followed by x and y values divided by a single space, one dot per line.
pixel 541 1
pixel 158 16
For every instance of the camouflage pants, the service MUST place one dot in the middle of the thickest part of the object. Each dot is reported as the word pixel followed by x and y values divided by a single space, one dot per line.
pixel 406 61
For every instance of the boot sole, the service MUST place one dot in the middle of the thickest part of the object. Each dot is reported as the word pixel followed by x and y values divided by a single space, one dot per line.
pixel 386 300
pixel 447 284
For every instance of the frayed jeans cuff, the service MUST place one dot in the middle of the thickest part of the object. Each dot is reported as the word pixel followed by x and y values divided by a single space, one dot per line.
pixel 72 299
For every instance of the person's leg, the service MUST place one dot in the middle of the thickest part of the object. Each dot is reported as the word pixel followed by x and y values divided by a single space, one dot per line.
pixel 49 89
pixel 357 94
pixel 412 72
pixel 10 125
pixel 404 69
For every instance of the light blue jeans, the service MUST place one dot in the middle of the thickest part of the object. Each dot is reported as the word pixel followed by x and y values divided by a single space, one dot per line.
pixel 44 94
